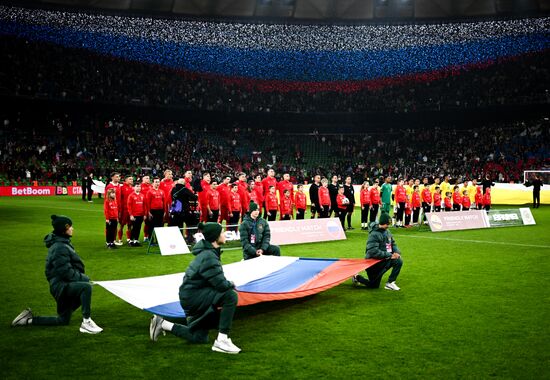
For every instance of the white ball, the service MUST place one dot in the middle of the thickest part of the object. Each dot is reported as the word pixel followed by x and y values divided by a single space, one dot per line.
pixel 345 201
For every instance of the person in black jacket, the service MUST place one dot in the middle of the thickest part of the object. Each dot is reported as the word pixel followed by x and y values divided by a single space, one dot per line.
pixel 207 297
pixel 69 285
pixel 184 208
pixel 314 196
pixel 487 183
pixel 333 192
pixel 349 192
pixel 537 184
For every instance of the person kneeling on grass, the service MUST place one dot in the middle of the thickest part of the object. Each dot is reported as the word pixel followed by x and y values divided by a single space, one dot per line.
pixel 256 235
pixel 204 290
pixel 70 287
pixel 380 245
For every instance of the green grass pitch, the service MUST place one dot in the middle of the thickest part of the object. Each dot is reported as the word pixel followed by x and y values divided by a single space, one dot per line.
pixel 473 304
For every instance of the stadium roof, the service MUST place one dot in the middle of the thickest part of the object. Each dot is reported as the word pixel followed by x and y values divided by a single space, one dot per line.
pixel 315 10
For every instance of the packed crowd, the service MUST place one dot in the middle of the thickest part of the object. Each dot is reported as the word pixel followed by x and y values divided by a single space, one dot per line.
pixel 47 71
pixel 63 148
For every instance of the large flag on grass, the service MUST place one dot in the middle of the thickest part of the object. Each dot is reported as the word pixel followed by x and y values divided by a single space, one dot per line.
pixel 266 278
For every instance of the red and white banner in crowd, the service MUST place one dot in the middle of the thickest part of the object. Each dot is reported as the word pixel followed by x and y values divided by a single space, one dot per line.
pixel 306 231
pixel 24 191
pixel 460 220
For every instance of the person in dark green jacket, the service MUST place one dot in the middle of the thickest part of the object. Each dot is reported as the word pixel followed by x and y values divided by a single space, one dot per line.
pixel 204 289
pixel 385 194
pixel 69 285
pixel 381 245
pixel 255 235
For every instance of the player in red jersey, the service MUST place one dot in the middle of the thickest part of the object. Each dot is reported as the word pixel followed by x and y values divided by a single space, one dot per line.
pixel 243 193
pixel 234 205
pixel 375 200
pixel 166 185
pixel 267 182
pixel 324 199
pixel 145 187
pixel 213 202
pixel 259 190
pixel 285 206
pixel 110 210
pixel 364 198
pixel 203 196
pixel 136 212
pixel 126 189
pixel 400 200
pixel 416 203
pixel 224 190
pixel 115 184
pixel 252 194
pixel 156 207
pixel 188 177
pixel 285 184
pixel 271 204
pixel 300 202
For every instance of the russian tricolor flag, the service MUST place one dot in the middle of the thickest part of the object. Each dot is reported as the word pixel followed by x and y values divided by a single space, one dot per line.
pixel 266 278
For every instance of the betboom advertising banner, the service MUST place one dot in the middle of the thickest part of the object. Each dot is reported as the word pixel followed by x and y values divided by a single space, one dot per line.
pixel 306 231
pixel 25 191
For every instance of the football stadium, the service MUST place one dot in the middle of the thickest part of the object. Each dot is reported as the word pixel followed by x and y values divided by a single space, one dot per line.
pixel 258 189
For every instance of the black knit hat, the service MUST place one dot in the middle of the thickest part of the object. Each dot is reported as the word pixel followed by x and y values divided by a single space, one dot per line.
pixel 60 224
pixel 253 206
pixel 210 231
pixel 384 218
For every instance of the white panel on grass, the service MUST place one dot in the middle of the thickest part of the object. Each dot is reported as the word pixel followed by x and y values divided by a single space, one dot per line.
pixel 171 241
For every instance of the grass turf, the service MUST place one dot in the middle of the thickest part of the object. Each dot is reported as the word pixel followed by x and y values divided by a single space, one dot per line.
pixel 473 306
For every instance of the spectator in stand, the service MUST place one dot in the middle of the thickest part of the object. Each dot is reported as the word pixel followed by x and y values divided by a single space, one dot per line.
pixel 300 202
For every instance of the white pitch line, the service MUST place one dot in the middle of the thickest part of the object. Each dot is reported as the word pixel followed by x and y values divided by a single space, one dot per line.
pixel 476 241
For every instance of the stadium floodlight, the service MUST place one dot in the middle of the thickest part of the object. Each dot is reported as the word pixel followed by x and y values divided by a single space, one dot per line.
pixel 543 174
